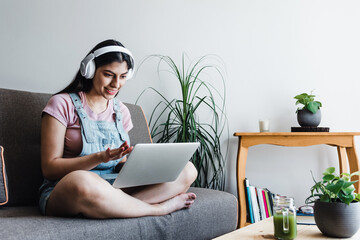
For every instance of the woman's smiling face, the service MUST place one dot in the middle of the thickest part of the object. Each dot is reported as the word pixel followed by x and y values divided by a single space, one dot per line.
pixel 109 79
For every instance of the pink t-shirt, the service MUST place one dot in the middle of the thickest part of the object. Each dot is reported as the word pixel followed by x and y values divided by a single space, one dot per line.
pixel 61 107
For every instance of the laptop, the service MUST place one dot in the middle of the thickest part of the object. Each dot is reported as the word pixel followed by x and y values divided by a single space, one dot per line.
pixel 152 163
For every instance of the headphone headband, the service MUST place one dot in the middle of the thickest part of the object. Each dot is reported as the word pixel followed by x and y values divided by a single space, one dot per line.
pixel 87 66
pixel 107 49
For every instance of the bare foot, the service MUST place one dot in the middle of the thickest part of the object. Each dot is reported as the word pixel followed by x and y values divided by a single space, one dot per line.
pixel 184 200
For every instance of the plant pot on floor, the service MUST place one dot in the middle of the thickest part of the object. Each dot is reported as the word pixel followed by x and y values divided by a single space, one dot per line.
pixel 337 219
pixel 308 119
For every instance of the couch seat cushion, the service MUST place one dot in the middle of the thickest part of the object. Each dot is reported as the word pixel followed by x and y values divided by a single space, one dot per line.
pixel 213 213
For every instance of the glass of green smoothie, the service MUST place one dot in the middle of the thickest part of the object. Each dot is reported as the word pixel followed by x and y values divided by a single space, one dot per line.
pixel 284 218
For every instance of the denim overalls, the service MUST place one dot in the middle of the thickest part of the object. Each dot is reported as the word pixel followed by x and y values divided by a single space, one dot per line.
pixel 96 136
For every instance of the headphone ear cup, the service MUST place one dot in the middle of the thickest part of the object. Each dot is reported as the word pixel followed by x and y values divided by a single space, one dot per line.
pixel 90 70
pixel 87 66
pixel 130 74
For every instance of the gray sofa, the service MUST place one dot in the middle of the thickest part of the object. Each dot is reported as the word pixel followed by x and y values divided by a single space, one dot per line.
pixel 214 212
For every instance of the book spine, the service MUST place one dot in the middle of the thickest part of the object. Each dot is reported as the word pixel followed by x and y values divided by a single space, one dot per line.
pixel 248 195
pixel 261 204
pixel 271 197
pixel 265 204
pixel 268 202
pixel 254 204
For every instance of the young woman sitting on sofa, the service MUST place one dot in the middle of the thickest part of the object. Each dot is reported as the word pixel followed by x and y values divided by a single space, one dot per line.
pixel 82 129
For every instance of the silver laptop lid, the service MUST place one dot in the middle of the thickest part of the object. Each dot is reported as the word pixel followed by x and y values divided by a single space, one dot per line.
pixel 152 163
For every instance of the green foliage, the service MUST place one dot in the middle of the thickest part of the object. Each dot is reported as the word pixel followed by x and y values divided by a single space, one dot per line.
pixel 308 100
pixel 195 117
pixel 334 188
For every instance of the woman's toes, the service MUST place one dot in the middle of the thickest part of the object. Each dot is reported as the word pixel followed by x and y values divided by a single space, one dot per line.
pixel 191 196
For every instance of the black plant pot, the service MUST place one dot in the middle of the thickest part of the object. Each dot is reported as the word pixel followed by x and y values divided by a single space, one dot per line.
pixel 308 119
pixel 337 219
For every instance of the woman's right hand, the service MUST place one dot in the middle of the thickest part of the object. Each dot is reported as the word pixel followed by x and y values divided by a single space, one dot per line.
pixel 113 154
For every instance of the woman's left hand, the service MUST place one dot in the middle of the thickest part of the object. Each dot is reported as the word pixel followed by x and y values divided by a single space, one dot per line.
pixel 113 154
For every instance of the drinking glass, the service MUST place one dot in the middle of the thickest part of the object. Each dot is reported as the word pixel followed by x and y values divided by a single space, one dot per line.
pixel 284 218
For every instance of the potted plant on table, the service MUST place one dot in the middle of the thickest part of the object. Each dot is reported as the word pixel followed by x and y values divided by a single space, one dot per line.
pixel 197 116
pixel 309 115
pixel 337 206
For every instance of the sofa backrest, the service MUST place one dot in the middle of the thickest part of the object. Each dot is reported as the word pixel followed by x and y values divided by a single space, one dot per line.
pixel 20 121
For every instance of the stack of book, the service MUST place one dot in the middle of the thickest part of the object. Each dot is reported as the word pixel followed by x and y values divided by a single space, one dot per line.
pixel 259 202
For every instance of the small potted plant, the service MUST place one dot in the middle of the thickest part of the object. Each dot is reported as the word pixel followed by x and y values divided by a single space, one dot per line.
pixel 337 206
pixel 309 115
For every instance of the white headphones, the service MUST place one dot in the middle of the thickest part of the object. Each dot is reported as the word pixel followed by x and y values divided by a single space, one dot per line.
pixel 87 66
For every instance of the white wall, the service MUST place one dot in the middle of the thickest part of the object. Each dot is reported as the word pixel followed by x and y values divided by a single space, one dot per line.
pixel 273 50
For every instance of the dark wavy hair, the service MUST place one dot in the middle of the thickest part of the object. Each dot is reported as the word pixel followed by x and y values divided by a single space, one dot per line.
pixel 80 83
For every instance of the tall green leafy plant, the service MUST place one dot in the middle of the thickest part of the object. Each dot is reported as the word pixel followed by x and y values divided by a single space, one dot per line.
pixel 197 116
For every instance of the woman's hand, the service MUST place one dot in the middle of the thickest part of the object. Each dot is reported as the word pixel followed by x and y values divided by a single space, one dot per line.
pixel 113 154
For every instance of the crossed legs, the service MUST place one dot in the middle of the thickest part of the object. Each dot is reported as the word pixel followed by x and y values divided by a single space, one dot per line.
pixel 84 192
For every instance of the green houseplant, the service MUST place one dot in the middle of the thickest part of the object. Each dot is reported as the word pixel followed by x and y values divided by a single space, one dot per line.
pixel 337 206
pixel 197 116
pixel 308 102
pixel 334 188
pixel 309 115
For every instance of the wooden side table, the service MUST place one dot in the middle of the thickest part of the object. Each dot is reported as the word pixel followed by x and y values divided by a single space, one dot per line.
pixel 344 141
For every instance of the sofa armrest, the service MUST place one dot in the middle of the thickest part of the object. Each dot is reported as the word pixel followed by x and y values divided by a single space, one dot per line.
pixel 4 194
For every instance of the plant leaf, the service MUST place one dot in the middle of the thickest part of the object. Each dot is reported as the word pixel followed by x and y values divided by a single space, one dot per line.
pixel 335 187
pixel 325 198
pixel 357 197
pixel 313 106
pixel 355 173
pixel 329 170
pixel 328 177
pixel 348 190
pixel 348 184
pixel 346 198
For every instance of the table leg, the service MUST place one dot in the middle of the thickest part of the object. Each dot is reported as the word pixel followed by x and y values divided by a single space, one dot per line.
pixel 354 165
pixel 241 167
pixel 342 159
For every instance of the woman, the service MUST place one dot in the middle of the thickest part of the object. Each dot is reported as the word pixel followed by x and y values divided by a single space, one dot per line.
pixel 82 129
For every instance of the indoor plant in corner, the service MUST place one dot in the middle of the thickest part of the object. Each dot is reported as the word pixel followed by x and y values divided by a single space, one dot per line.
pixel 309 115
pixel 197 115
pixel 337 206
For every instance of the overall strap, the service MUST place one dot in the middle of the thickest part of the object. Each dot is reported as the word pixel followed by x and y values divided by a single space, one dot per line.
pixel 83 118
pixel 119 123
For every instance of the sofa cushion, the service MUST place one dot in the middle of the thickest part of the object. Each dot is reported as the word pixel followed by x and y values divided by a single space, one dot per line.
pixel 3 179
pixel 213 213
